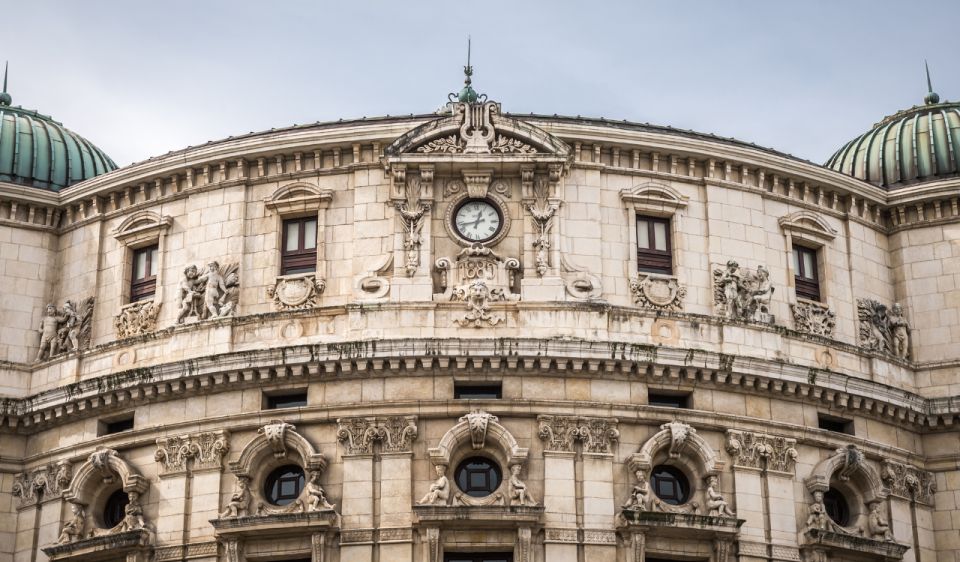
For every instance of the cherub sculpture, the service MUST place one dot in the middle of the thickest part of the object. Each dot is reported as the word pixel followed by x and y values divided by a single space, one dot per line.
pixel 640 496
pixel 315 494
pixel 716 505
pixel 439 492
pixel 877 526
pixel 518 489
pixel 73 528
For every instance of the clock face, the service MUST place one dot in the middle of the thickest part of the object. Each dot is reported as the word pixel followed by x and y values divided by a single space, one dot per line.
pixel 477 220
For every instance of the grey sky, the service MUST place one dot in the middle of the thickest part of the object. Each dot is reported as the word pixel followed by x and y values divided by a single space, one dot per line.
pixel 143 79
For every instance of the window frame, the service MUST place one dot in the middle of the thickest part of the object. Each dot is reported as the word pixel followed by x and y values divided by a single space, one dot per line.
pixel 477 391
pixel 274 479
pixel 468 489
pixel 144 288
pixel 272 401
pixel 651 260
pixel 477 556
pixel 806 287
pixel 299 260
pixel 679 478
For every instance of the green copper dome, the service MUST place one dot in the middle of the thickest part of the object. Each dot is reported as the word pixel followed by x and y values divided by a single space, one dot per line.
pixel 39 152
pixel 918 144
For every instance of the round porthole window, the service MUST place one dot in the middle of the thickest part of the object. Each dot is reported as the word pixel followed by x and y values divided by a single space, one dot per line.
pixel 670 485
pixel 115 509
pixel 478 477
pixel 284 485
pixel 836 507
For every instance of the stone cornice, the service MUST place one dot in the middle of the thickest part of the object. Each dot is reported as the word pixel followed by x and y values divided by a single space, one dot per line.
pixel 675 366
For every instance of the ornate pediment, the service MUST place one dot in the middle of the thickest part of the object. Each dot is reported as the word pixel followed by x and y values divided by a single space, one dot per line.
pixel 475 130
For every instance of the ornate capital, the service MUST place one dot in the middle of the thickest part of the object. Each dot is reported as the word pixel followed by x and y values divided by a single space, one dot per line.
pixel 198 451
pixel 41 483
pixel 762 451
pixel 908 482
pixel 395 434
pixel 560 433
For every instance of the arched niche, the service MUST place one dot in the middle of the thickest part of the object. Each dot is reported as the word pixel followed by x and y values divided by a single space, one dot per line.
pixel 679 445
pixel 103 473
pixel 478 431
pixel 847 470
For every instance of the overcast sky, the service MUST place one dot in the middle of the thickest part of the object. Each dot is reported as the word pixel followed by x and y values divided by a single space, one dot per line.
pixel 141 79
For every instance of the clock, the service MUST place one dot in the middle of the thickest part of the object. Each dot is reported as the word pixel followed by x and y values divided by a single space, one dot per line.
pixel 477 220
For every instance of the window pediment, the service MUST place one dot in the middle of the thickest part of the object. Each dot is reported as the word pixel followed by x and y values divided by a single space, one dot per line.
pixel 142 226
pixel 298 198
pixel 804 225
pixel 654 198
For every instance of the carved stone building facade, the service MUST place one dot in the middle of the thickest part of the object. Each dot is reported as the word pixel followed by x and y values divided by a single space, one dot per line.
pixel 472 335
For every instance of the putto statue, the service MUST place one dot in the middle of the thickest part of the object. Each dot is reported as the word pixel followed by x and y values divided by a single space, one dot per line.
pixel 877 526
pixel 883 330
pixel 640 496
pixel 741 294
pixel 239 500
pixel 716 505
pixel 518 489
pixel 317 498
pixel 73 529
pixel 439 493
pixel 64 331
pixel 212 295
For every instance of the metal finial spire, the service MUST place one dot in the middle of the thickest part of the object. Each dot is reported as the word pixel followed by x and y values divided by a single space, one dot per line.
pixel 468 70
pixel 467 94
pixel 931 97
pixel 5 98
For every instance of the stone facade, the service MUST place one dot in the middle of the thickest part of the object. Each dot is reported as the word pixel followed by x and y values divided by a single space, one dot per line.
pixel 404 311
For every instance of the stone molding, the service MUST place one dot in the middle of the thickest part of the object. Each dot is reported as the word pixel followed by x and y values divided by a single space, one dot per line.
pixel 187 551
pixel 394 433
pixel 561 433
pixel 762 451
pixel 192 452
pixel 473 430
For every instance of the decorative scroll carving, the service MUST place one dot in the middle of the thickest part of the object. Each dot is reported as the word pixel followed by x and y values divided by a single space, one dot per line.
pixel 413 212
pixel 762 451
pixel 67 330
pixel 478 296
pixel 659 292
pixel 197 451
pixel 395 434
pixel 136 318
pixel 716 505
pixel 524 540
pixel 883 330
pixel 275 433
pixel 439 493
pixel 317 541
pixel 433 544
pixel 561 432
pixel 741 294
pixel 908 482
pixel 679 434
pixel 851 461
pixel 42 483
pixel 453 187
pixel 519 495
pixel 722 550
pixel 813 318
pixel 478 420
pixel 214 294
pixel 101 460
pixel 542 212
pixel 296 292
pixel 373 283
pixel 579 283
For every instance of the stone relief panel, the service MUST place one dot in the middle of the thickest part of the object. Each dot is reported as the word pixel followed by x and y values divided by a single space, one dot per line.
pixel 395 434
pixel 296 292
pixel 658 292
pixel 66 330
pixel 198 451
pixel 542 212
pixel 214 293
pixel 413 212
pixel 561 433
pixel 136 318
pixel 908 482
pixel 477 297
pixel 41 483
pixel 883 330
pixel 743 294
pixel 762 451
pixel 813 318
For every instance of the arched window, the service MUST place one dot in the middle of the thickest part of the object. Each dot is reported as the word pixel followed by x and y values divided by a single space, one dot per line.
pixel 284 485
pixel 478 477
pixel 115 509
pixel 670 485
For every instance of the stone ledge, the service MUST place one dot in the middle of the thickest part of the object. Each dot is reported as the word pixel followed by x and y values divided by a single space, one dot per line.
pixel 853 546
pixel 277 524
pixel 685 524
pixel 103 547
pixel 487 515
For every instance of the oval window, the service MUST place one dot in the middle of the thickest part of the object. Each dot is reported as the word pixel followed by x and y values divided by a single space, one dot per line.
pixel 478 477
pixel 284 485
pixel 836 507
pixel 115 509
pixel 670 485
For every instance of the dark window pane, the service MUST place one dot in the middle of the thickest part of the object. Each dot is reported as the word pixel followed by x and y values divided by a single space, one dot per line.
pixel 298 400
pixel 668 400
pixel 478 477
pixel 806 278
pixel 299 246
pixel 114 511
pixel 836 507
pixel 477 391
pixel 284 485
pixel 670 485
pixel 654 251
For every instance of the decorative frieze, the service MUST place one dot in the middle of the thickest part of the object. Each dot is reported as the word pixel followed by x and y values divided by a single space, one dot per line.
pixel 136 318
pixel 813 318
pixel 742 294
pixel 296 292
pixel 66 330
pixel 658 292
pixel 560 433
pixel 883 330
pixel 478 296
pixel 213 294
pixel 198 451
pixel 762 451
pixel 395 434
pixel 908 482
pixel 41 483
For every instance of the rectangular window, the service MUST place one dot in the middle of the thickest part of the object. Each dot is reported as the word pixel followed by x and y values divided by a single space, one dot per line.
pixel 471 391
pixel 299 246
pixel 806 277
pixel 286 400
pixel 654 254
pixel 666 400
pixel 143 281
pixel 114 426
pixel 481 557
pixel 838 425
